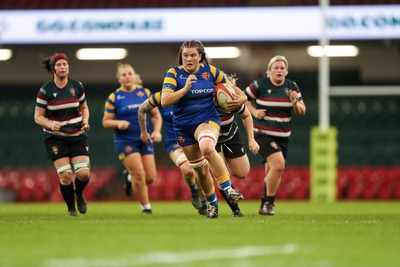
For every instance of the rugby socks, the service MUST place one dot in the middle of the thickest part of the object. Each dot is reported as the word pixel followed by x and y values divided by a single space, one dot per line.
pixel 212 198
pixel 224 182
pixel 79 186
pixel 264 188
pixel 269 199
pixel 194 188
pixel 67 191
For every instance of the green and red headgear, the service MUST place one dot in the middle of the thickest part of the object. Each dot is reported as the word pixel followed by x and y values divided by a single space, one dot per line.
pixel 54 58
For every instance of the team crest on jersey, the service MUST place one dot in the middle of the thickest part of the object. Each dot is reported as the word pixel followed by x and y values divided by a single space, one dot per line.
pixel 73 91
pixel 54 149
pixel 287 91
pixel 55 94
pixel 205 75
pixel 274 145
pixel 140 94
pixel 269 91
pixel 128 149
pixel 181 139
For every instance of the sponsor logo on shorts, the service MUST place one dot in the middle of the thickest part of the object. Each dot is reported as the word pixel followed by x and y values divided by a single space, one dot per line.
pixel 274 145
pixel 181 139
pixel 54 149
pixel 128 149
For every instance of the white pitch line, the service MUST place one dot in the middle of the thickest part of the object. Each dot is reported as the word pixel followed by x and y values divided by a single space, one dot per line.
pixel 174 257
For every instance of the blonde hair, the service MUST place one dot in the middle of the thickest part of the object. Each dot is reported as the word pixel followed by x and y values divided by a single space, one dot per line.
pixel 121 66
pixel 275 59
pixel 230 78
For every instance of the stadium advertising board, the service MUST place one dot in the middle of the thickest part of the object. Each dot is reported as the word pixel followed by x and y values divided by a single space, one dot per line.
pixel 206 24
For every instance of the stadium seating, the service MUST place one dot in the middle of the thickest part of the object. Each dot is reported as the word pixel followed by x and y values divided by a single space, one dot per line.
pixel 28 185
pixel 353 183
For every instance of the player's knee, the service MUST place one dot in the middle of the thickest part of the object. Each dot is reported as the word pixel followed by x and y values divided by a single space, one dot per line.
pixel 65 174
pixel 150 179
pixel 240 174
pixel 205 137
pixel 188 172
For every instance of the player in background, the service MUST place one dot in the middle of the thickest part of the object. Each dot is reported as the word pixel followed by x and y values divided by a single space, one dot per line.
pixel 275 97
pixel 173 149
pixel 230 145
pixel 189 88
pixel 121 115
pixel 61 109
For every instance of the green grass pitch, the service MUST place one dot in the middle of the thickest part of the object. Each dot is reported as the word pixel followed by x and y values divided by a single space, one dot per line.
pixel 115 234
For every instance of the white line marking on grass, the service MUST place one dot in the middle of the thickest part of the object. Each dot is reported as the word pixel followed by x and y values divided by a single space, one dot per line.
pixel 174 257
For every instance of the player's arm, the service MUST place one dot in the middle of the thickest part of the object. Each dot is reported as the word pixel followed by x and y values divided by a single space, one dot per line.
pixel 239 101
pixel 143 109
pixel 156 120
pixel 41 120
pixel 257 113
pixel 109 122
pixel 298 105
pixel 248 125
pixel 84 109
pixel 170 97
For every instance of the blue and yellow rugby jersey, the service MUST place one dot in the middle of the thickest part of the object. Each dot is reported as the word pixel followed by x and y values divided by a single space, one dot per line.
pixel 198 104
pixel 276 100
pixel 166 113
pixel 228 124
pixel 125 106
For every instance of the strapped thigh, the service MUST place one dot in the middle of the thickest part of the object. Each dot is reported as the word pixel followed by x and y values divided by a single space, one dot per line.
pixel 207 135
pixel 198 163
pixel 65 168
pixel 81 165
pixel 180 160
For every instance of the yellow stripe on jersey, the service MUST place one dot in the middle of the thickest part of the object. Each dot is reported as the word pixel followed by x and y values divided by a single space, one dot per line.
pixel 168 90
pixel 170 81
pixel 153 101
pixel 112 97
pixel 220 76
pixel 148 92
pixel 109 106
pixel 173 71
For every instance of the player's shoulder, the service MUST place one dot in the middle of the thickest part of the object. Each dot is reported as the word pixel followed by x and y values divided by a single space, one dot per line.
pixel 291 84
pixel 147 91
pixel 75 83
pixel 262 82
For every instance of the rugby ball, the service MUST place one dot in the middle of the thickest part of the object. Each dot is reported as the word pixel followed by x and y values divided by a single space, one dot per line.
pixel 224 93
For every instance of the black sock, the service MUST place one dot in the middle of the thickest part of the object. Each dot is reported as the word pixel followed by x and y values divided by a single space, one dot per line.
pixel 67 192
pixel 194 188
pixel 79 186
pixel 270 199
pixel 233 206
pixel 264 189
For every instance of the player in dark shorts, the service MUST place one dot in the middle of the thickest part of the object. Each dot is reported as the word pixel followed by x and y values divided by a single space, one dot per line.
pixel 275 98
pixel 231 148
pixel 61 109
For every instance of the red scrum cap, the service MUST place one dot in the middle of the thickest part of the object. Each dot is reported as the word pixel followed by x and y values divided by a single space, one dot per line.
pixel 55 57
